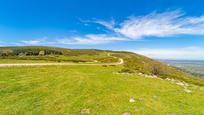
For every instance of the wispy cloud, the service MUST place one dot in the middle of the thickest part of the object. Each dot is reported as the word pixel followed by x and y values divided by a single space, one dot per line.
pixel 164 24
pixel 31 42
pixel 158 25
pixel 108 24
pixel 190 53
pixel 90 39
pixel 34 42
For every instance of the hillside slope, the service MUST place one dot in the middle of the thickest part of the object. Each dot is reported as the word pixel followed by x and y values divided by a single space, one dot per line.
pixel 133 63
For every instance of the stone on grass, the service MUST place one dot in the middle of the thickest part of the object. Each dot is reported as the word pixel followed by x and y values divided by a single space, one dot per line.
pixel 132 100
pixel 180 83
pixel 85 111
pixel 187 91
pixel 126 113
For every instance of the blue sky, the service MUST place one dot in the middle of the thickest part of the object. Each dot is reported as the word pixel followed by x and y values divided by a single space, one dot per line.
pixel 167 29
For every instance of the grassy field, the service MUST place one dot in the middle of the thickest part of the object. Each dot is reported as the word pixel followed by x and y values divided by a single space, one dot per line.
pixel 106 88
pixel 102 58
pixel 67 90
pixel 15 61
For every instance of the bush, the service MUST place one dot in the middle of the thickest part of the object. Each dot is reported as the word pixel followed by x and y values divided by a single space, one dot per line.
pixel 156 69
pixel 126 70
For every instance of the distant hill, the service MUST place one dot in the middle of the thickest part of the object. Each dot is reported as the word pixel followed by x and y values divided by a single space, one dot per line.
pixel 133 63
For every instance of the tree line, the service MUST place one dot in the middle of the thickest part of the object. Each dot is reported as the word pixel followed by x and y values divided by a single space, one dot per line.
pixel 29 52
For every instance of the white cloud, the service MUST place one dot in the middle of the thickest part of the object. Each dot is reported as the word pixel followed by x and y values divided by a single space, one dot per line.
pixel 188 53
pixel 34 42
pixel 108 24
pixel 158 25
pixel 155 24
pixel 137 27
pixel 90 39
pixel 31 42
pixel 1 43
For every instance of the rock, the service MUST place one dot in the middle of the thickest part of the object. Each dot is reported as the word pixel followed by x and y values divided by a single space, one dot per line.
pixel 132 100
pixel 180 83
pixel 140 74
pixel 154 76
pixel 187 91
pixel 168 79
pixel 85 111
pixel 126 113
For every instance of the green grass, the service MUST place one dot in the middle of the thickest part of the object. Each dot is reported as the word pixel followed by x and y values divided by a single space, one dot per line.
pixel 14 61
pixel 134 63
pixel 101 58
pixel 62 90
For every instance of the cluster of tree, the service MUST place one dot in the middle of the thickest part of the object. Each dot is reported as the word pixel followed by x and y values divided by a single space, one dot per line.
pixel 29 52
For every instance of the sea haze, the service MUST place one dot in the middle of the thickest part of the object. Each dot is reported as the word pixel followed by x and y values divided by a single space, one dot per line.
pixel 196 67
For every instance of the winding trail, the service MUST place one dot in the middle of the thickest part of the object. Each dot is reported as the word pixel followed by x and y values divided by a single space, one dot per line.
pixel 120 62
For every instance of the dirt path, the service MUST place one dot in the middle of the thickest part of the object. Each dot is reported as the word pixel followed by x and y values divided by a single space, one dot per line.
pixel 120 62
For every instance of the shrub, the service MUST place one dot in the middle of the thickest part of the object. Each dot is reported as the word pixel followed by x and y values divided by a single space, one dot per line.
pixel 126 70
pixel 156 69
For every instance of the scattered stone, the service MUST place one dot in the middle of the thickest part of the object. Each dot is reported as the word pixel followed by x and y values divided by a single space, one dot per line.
pixel 168 79
pixel 186 84
pixel 187 91
pixel 154 76
pixel 85 111
pixel 132 100
pixel 95 61
pixel 140 74
pixel 195 86
pixel 141 99
pixel 180 83
pixel 126 113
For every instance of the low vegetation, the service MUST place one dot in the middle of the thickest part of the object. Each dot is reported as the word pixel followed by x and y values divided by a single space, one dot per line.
pixel 140 64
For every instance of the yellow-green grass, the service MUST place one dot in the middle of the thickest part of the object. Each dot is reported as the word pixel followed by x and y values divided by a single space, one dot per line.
pixel 15 61
pixel 103 58
pixel 133 63
pixel 66 90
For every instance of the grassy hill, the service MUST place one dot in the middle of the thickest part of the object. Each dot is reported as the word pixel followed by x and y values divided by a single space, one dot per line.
pixel 94 89
pixel 134 63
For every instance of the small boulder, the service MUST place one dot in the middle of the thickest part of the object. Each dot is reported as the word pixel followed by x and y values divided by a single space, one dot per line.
pixel 187 91
pixel 85 111
pixel 180 83
pixel 126 113
pixel 132 100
